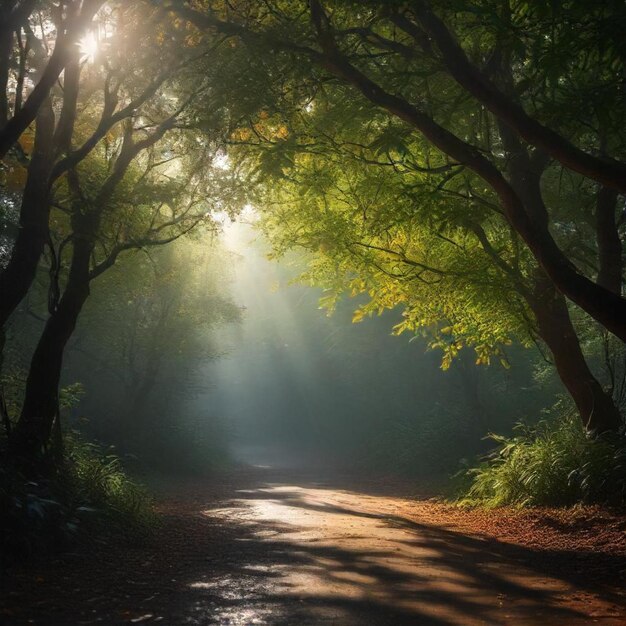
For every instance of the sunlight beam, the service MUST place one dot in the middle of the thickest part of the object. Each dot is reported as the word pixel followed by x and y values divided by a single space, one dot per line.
pixel 88 46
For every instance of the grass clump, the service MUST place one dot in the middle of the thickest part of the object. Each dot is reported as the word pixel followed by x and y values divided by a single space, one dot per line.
pixel 554 463
pixel 98 477
pixel 88 496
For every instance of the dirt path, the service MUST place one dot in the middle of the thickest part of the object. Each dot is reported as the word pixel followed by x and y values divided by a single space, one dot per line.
pixel 285 549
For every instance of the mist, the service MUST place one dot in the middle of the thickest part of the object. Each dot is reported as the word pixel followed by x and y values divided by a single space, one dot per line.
pixel 312 312
pixel 299 387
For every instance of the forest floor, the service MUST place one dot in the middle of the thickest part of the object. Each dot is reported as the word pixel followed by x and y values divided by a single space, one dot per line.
pixel 263 547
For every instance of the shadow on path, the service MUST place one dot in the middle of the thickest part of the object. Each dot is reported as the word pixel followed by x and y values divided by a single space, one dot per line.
pixel 259 552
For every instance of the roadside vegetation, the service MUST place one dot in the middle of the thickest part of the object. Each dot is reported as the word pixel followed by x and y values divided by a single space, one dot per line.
pixel 89 495
pixel 552 463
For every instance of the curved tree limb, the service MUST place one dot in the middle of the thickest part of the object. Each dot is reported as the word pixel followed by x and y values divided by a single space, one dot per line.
pixel 603 305
pixel 609 172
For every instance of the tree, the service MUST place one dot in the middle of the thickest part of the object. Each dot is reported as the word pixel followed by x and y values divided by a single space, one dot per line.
pixel 463 283
pixel 504 173
pixel 132 172
pixel 142 340
pixel 109 93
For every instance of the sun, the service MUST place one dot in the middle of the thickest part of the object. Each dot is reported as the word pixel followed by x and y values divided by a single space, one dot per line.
pixel 88 46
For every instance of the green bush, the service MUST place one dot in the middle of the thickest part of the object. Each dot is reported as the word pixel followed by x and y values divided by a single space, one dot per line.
pixel 98 477
pixel 553 463
pixel 89 495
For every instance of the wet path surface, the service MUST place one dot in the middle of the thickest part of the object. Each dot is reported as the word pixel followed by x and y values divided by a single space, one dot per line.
pixel 271 549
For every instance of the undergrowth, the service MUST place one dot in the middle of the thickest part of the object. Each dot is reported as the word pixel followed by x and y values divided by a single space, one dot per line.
pixel 554 463
pixel 89 496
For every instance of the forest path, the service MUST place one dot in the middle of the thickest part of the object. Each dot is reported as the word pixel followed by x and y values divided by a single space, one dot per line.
pixel 270 548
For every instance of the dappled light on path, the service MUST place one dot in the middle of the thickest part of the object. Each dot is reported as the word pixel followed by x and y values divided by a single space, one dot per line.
pixel 264 547
pixel 345 557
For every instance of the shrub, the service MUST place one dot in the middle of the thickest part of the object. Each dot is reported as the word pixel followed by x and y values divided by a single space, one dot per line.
pixel 553 463
pixel 89 495
pixel 98 477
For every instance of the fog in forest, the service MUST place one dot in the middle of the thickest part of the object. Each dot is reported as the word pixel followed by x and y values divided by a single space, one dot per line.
pixel 295 386
pixel 312 312
pixel 212 354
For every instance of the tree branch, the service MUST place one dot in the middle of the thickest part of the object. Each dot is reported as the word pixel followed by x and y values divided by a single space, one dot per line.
pixel 62 51
pixel 606 171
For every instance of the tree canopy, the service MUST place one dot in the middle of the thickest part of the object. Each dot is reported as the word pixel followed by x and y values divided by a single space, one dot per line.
pixel 464 162
pixel 453 159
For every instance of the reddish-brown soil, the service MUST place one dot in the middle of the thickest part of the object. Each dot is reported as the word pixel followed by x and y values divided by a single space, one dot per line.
pixel 285 548
pixel 588 529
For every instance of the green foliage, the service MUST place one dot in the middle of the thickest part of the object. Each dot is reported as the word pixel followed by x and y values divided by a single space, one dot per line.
pixel 98 479
pixel 70 395
pixel 383 213
pixel 13 381
pixel 364 234
pixel 150 324
pixel 89 495
pixel 552 463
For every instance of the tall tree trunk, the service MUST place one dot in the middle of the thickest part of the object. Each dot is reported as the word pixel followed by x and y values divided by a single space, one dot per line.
pixel 596 407
pixel 17 277
pixel 34 428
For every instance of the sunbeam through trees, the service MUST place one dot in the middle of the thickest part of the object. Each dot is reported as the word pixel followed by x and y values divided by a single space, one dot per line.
pixel 273 270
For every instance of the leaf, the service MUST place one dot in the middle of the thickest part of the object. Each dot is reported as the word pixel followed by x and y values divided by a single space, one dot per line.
pixel 358 316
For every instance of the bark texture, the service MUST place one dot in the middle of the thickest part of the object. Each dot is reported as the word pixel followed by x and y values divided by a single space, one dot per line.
pixel 34 428
pixel 596 407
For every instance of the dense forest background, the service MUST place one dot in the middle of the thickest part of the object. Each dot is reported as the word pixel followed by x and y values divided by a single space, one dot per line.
pixel 300 387
pixel 187 371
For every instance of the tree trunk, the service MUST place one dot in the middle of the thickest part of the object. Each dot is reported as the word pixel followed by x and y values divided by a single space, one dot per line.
pixel 596 407
pixel 34 428
pixel 17 277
